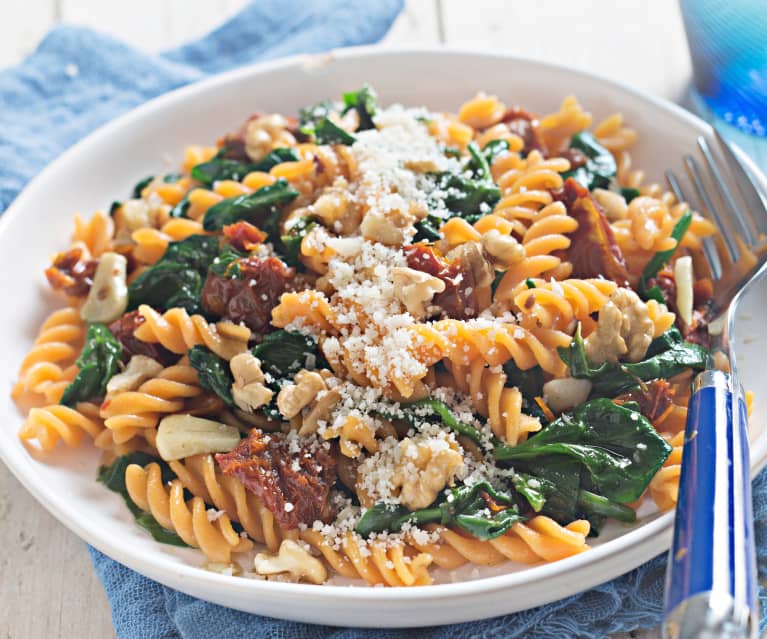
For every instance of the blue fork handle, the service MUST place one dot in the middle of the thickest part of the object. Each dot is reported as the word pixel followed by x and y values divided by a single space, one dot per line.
pixel 711 580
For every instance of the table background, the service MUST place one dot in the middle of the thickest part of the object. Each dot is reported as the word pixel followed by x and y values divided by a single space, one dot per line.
pixel 48 588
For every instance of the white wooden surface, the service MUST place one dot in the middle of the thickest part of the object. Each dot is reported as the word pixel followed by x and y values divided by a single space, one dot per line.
pixel 47 586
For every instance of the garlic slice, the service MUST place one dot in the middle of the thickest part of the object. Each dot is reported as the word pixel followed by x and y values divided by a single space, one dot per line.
pixel 566 393
pixel 180 436
pixel 684 288
pixel 108 297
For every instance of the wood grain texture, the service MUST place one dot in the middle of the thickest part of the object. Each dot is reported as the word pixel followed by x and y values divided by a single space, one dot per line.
pixel 48 588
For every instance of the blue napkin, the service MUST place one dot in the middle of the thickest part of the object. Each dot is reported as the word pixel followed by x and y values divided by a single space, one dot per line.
pixel 77 80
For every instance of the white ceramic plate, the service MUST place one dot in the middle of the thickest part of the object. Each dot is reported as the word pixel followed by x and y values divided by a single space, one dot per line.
pixel 103 166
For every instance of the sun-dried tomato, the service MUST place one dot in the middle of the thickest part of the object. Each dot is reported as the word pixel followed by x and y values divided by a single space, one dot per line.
pixel 458 300
pixel 524 124
pixel 250 297
pixel 593 250
pixel 72 272
pixel 244 236
pixel 123 329
pixel 292 477
pixel 654 399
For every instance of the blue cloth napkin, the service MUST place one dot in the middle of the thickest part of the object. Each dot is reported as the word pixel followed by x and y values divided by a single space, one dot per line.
pixel 77 80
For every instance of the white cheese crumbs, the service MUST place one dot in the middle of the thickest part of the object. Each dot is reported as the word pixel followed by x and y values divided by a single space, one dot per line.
pixel 289 507
pixel 214 514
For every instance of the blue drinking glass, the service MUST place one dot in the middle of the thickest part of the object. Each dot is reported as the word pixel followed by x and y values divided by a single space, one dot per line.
pixel 728 45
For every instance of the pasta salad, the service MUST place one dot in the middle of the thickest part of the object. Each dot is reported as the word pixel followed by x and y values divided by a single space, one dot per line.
pixel 370 341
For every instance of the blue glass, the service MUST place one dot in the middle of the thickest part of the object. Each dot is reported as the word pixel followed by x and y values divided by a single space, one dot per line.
pixel 728 45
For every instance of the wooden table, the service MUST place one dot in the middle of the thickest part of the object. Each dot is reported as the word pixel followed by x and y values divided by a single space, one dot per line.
pixel 48 588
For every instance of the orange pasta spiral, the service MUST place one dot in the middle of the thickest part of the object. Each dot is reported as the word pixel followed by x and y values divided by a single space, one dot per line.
pixel 52 423
pixel 178 332
pixel 217 539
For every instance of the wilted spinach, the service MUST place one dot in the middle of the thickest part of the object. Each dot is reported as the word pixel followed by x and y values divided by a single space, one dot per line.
pixel 328 132
pixel 529 382
pixel 97 363
pixel 465 507
pixel 661 258
pixel 213 372
pixel 668 355
pixel 365 103
pixel 600 165
pixel 252 207
pixel 291 241
pixel 284 353
pixel 176 279
pixel 618 448
pixel 113 477
pixel 222 168
pixel 141 185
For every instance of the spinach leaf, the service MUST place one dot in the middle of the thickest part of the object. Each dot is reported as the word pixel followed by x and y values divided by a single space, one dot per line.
pixel 600 165
pixel 181 209
pixel 308 117
pixel 417 412
pixel 628 193
pixel 597 506
pixel 176 279
pixel 427 229
pixel 365 103
pixel 466 507
pixel 284 353
pixel 667 356
pixel 98 362
pixel 467 197
pixel 253 207
pixel 493 149
pixel 529 382
pixel 221 264
pixel 113 477
pixel 618 448
pixel 114 207
pixel 658 260
pixel 221 168
pixel 478 163
pixel 291 241
pixel 213 372
pixel 328 132
pixel 141 185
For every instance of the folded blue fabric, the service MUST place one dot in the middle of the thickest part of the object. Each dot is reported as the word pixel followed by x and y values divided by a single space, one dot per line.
pixel 77 80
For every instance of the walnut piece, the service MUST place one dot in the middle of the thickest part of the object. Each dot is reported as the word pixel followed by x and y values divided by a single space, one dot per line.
pixel 391 227
pixel 294 397
pixel 425 466
pixel 265 133
pixel 336 209
pixel 469 254
pixel 624 328
pixel 416 289
pixel 248 390
pixel 294 559
pixel 502 250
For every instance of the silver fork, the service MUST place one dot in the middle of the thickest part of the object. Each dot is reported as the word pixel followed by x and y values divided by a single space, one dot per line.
pixel 711 579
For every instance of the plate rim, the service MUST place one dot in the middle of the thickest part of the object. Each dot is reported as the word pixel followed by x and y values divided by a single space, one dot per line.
pixel 657 529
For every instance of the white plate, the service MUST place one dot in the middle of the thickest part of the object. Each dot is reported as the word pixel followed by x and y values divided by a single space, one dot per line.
pixel 103 166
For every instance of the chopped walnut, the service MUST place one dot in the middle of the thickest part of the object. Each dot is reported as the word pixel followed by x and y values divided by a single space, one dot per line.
pixel 416 289
pixel 294 559
pixel 470 256
pixel 336 209
pixel 265 133
pixel 248 390
pixel 624 328
pixel 387 227
pixel 502 250
pixel 294 397
pixel 426 465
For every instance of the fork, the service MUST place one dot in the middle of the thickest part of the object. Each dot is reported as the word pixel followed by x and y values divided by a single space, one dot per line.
pixel 711 578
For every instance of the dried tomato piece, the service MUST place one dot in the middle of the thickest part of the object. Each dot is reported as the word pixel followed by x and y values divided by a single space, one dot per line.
pixel 458 300
pixel 123 329
pixel 71 272
pixel 244 236
pixel 524 124
pixel 654 399
pixel 250 297
pixel 593 251
pixel 292 477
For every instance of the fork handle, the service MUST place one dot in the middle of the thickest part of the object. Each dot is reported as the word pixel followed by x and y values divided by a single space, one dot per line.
pixel 711 579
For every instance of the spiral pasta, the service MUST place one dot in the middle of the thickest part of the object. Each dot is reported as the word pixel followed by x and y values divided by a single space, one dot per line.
pixel 493 399
pixel 51 424
pixel 151 243
pixel 95 234
pixel 177 331
pixel 49 365
pixel 190 520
